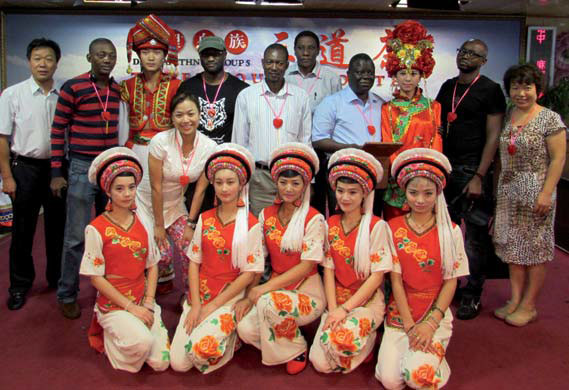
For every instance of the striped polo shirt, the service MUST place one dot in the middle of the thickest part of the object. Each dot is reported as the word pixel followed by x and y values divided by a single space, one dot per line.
pixel 78 112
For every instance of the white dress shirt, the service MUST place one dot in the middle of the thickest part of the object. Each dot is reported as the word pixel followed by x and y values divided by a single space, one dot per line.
pixel 253 125
pixel 26 114
pixel 318 84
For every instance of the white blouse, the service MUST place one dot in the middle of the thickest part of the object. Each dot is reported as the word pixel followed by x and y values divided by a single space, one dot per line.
pixel 164 147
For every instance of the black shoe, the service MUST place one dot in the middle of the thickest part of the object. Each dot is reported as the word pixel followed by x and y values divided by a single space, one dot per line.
pixel 70 310
pixel 470 307
pixel 16 300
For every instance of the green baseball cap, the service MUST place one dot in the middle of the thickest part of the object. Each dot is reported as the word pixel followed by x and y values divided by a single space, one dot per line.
pixel 211 42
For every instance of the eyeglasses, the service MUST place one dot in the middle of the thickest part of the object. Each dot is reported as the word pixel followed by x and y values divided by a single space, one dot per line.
pixel 469 53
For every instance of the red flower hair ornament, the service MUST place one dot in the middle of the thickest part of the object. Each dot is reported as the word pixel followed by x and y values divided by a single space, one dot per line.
pixel 408 47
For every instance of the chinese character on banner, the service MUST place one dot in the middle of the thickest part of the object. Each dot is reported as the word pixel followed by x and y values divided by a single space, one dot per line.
pixel 336 42
pixel 281 37
pixel 236 42
pixel 541 36
pixel 199 35
pixel 541 65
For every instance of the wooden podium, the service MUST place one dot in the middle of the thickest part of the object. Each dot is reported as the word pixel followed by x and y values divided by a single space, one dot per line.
pixel 382 151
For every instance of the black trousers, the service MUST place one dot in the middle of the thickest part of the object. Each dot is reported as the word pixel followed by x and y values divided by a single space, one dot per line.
pixel 32 191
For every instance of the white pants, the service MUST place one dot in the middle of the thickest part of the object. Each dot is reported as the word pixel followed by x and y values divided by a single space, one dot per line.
pixel 272 324
pixel 398 366
pixel 129 343
pixel 210 345
pixel 345 348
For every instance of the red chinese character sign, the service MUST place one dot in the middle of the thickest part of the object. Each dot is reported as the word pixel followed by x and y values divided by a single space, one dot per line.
pixel 541 50
pixel 236 42
pixel 282 36
pixel 333 55
pixel 199 35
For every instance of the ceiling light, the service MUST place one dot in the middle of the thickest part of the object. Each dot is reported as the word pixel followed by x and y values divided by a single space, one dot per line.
pixel 399 4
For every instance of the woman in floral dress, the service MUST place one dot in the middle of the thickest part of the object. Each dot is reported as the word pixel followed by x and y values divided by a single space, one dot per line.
pixel 127 323
pixel 410 117
pixel 429 257
pixel 293 238
pixel 359 254
pixel 532 155
pixel 225 254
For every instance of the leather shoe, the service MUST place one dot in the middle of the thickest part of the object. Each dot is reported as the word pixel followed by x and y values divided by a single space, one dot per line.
pixel 70 310
pixel 16 300
pixel 469 308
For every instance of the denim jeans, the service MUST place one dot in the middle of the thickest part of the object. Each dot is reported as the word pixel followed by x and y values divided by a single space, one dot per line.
pixel 476 215
pixel 80 198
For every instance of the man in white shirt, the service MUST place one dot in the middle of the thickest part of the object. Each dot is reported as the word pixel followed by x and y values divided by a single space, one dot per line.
pixel 267 115
pixel 26 114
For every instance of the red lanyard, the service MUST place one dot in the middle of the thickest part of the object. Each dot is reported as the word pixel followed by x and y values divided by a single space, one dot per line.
pixel 451 116
pixel 277 122
pixel 105 114
pixel 301 81
pixel 512 146
pixel 210 105
pixel 185 178
pixel 370 126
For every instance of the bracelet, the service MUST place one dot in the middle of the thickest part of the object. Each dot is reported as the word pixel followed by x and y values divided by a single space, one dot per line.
pixel 437 323
pixel 435 307
pixel 192 225
pixel 343 308
pixel 126 307
pixel 433 327
pixel 411 328
pixel 481 176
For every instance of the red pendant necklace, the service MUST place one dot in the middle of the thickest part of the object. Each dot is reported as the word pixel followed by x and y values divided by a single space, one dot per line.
pixel 277 122
pixel 451 116
pixel 185 178
pixel 106 115
pixel 512 146
pixel 369 121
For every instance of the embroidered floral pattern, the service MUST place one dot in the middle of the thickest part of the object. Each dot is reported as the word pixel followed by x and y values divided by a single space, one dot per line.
pixel 440 350
pixel 227 323
pixel 304 304
pixel 251 259
pixel 272 232
pixel 375 258
pixel 337 244
pixel 98 261
pixel 403 242
pixel 365 327
pixel 205 293
pixel 424 376
pixel 286 329
pixel 282 301
pixel 342 294
pixel 126 242
pixel 208 348
pixel 344 340
pixel 214 235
